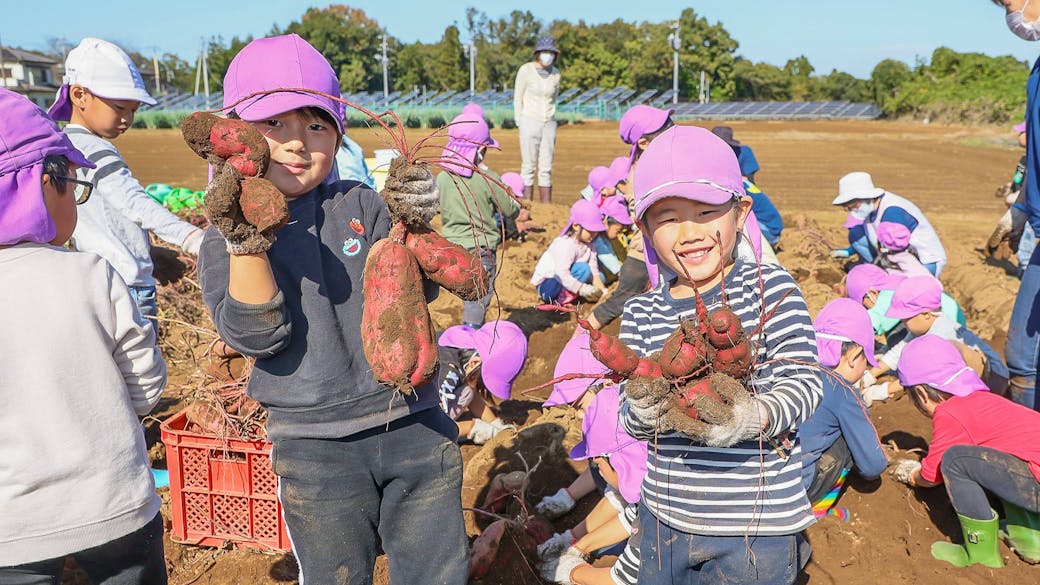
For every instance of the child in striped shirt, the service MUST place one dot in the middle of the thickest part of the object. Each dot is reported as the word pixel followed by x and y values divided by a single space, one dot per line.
pixel 703 495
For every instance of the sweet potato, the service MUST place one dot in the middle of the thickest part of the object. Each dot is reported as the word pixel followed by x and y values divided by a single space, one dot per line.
pixel 485 549
pixel 396 330
pixel 234 141
pixel 724 328
pixel 263 205
pixel 449 265
pixel 685 399
pixel 685 352
pixel 734 361
pixel 509 545
pixel 502 487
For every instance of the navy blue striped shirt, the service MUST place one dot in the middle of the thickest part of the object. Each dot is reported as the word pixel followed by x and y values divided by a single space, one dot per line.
pixel 747 488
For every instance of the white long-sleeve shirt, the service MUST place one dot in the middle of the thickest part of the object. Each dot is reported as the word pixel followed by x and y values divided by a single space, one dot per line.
pixel 115 221
pixel 534 94
pixel 78 364
pixel 556 262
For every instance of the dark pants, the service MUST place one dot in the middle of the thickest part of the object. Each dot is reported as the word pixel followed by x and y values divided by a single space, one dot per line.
pixel 671 557
pixel 632 280
pixel 1023 341
pixel 829 466
pixel 400 486
pixel 473 311
pixel 134 559
pixel 970 472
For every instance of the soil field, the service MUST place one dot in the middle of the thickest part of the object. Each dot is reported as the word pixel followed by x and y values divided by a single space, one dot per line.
pixel 950 172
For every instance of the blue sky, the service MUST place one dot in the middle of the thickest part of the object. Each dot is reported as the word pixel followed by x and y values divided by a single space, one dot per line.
pixel 842 34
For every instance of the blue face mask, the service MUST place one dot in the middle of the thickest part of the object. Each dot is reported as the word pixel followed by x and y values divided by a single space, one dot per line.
pixel 863 211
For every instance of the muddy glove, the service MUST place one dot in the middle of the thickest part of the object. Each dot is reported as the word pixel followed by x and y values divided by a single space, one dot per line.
pixel 868 379
pixel 555 505
pixel 559 569
pixel 223 206
pixel 745 421
pixel 589 293
pixel 647 409
pixel 410 192
pixel 903 471
pixel 876 392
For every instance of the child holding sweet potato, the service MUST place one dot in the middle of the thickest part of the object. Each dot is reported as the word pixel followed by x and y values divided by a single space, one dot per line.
pixel 357 463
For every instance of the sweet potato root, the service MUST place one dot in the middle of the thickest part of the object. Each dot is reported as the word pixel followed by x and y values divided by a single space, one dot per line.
pixel 449 265
pixel 502 487
pixel 734 361
pixel 263 205
pixel 396 330
pixel 485 549
pixel 508 545
pixel 724 328
pixel 685 352
pixel 234 141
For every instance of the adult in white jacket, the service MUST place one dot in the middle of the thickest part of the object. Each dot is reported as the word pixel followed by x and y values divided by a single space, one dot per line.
pixel 534 107
pixel 79 365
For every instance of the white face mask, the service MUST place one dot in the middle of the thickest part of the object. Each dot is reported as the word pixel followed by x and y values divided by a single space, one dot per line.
pixel 546 58
pixel 863 211
pixel 1027 31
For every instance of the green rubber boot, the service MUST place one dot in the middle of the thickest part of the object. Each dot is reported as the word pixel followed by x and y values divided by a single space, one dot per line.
pixel 980 544
pixel 1023 533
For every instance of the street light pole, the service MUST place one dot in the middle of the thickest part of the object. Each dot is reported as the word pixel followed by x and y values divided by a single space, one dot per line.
pixel 676 43
pixel 471 49
pixel 385 61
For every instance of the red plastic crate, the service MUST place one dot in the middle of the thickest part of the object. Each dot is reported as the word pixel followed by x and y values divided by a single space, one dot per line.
pixel 222 490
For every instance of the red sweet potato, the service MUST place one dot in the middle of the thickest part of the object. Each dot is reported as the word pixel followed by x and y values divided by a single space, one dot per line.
pixel 263 205
pixel 724 328
pixel 688 393
pixel 685 352
pixel 612 353
pixel 235 141
pixel 396 330
pixel 734 361
pixel 485 549
pixel 647 368
pixel 449 265
pixel 502 487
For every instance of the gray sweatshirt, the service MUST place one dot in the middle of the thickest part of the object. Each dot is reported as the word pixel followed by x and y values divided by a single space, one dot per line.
pixel 311 373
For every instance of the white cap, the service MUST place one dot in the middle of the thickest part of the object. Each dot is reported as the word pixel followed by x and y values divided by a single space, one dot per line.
pixel 857 185
pixel 104 69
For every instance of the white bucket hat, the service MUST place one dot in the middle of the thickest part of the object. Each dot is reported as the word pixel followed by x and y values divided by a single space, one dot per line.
pixel 857 185
pixel 103 68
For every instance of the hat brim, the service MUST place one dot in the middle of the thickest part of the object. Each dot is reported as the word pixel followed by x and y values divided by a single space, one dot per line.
pixel 274 104
pixel 902 312
pixel 844 198
pixel 136 94
pixel 701 192
pixel 459 336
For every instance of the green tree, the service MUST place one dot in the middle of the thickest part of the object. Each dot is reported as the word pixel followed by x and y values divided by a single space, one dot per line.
pixel 410 67
pixel 219 57
pixel 349 39
pixel 448 65
pixel 886 80
pixel 800 71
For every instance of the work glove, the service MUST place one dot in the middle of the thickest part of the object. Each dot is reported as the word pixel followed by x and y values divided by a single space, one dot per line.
pixel 649 408
pixel 745 421
pixel 868 379
pixel 193 242
pixel 410 192
pixel 841 253
pixel 903 471
pixel 589 292
pixel 222 204
pixel 558 569
pixel 876 392
pixel 557 545
pixel 555 505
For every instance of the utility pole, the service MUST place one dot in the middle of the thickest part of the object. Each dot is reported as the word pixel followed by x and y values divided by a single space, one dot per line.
pixel 385 62
pixel 155 69
pixel 471 52
pixel 205 70
pixel 3 68
pixel 676 43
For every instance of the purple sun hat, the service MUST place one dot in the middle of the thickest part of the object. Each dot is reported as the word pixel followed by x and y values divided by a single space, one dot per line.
pixel 893 236
pixel 586 214
pixel 601 178
pixel 27 136
pixel 1019 128
pixel 621 166
pixel 934 361
pixel 473 109
pixel 467 133
pixel 514 182
pixel 576 358
pixel 281 62
pixel 915 295
pixel 616 208
pixel 864 278
pixel 686 162
pixel 502 348
pixel 840 321
pixel 605 437
pixel 638 121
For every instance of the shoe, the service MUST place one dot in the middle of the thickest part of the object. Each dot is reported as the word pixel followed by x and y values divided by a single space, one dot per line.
pixel 555 505
pixel 980 544
pixel 1023 533
pixel 559 569
pixel 545 194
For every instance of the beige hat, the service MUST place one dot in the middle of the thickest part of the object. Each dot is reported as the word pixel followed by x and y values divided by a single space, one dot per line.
pixel 856 185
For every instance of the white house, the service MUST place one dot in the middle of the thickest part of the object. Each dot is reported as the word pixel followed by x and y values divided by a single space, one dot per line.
pixel 31 74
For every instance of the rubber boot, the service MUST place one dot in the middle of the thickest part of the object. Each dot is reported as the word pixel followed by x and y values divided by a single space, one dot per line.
pixel 1023 533
pixel 529 192
pixel 545 194
pixel 1022 390
pixel 980 544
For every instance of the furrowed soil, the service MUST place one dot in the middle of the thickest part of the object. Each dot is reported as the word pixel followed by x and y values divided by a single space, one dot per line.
pixel 950 172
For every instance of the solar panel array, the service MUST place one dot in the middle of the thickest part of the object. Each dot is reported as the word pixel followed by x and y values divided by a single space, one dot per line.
pixel 596 102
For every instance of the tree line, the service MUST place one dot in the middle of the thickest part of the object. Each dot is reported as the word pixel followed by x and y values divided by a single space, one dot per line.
pixel 950 86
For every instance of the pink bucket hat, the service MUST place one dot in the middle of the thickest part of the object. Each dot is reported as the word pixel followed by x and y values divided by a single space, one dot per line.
pixel 502 348
pixel 915 295
pixel 620 166
pixel 285 61
pixel 467 133
pixel 893 236
pixel 934 361
pixel 576 358
pixel 866 277
pixel 840 321
pixel 601 178
pixel 27 136
pixel 1019 128
pixel 616 208
pixel 687 162
pixel 638 121
pixel 586 214
pixel 472 109
pixel 514 182
pixel 605 437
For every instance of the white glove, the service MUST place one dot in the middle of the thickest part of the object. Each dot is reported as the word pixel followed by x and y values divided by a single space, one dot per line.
pixel 868 379
pixel 904 470
pixel 842 253
pixel 559 569
pixel 588 292
pixel 746 421
pixel 193 242
pixel 875 392
pixel 410 192
pixel 555 505
pixel 482 432
pixel 501 425
pixel 557 545
pixel 647 410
